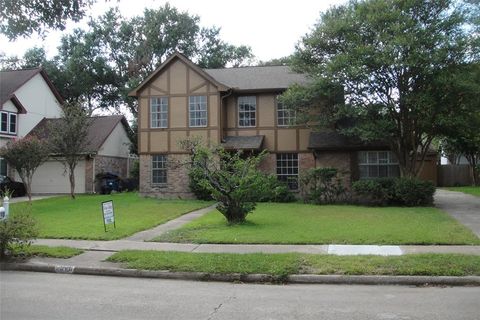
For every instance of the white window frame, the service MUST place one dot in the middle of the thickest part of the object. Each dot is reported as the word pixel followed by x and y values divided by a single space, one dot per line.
pixel 246 106
pixel 372 161
pixel 288 117
pixel 9 120
pixel 287 169
pixel 159 163
pixel 159 112
pixel 197 111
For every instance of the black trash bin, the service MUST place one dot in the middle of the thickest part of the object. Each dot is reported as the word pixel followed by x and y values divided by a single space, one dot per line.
pixel 109 182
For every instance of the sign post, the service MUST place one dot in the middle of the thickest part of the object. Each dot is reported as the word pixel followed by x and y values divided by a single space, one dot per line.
pixel 108 214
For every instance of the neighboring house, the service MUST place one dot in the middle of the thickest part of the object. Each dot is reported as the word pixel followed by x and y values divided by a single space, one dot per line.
pixel 107 152
pixel 26 97
pixel 238 107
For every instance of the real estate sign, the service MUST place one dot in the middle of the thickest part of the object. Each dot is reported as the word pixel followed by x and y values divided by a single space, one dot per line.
pixel 108 214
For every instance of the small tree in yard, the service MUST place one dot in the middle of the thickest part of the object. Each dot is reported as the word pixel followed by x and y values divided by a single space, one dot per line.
pixel 26 155
pixel 231 179
pixel 69 139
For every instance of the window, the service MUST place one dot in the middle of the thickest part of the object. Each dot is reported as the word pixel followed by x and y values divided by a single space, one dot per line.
pixel 377 164
pixel 197 108
pixel 285 116
pixel 159 112
pixel 159 169
pixel 287 169
pixel 247 107
pixel 3 167
pixel 8 122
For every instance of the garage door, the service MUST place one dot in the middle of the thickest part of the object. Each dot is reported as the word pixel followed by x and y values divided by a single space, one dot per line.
pixel 50 178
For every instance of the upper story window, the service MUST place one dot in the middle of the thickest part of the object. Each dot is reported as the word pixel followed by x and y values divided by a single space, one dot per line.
pixel 197 109
pixel 247 111
pixel 159 112
pixel 285 116
pixel 8 122
pixel 377 164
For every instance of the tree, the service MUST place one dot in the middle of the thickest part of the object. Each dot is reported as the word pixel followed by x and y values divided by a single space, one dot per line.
pixel 26 155
pixel 21 18
pixel 391 60
pixel 69 139
pixel 232 179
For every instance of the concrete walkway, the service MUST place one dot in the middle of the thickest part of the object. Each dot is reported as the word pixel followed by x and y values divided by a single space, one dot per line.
pixel 170 225
pixel 461 206
pixel 34 198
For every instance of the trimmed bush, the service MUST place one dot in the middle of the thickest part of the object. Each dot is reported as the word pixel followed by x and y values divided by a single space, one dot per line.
pixel 275 191
pixel 408 192
pixel 322 186
pixel 412 192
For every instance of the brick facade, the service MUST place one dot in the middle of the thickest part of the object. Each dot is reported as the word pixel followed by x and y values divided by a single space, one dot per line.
pixel 103 164
pixel 177 178
pixel 336 159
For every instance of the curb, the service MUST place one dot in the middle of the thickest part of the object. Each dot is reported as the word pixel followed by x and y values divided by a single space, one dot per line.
pixel 249 278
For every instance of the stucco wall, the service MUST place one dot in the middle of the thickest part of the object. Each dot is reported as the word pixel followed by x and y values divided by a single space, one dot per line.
pixel 117 144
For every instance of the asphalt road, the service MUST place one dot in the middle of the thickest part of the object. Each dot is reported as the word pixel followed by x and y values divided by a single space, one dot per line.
pixel 57 296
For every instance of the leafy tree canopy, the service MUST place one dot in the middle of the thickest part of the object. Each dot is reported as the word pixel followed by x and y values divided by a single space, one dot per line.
pixel 21 18
pixel 394 61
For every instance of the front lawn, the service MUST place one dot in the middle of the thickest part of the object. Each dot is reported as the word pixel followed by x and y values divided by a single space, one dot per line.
pixel 297 223
pixel 45 251
pixel 62 217
pixel 470 190
pixel 294 263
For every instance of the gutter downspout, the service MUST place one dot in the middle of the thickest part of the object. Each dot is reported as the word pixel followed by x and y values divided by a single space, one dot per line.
pixel 226 95
pixel 93 176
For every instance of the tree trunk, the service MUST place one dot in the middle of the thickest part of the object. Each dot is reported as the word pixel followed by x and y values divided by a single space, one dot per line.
pixel 72 181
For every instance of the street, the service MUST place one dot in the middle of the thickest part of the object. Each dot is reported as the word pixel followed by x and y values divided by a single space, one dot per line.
pixel 27 295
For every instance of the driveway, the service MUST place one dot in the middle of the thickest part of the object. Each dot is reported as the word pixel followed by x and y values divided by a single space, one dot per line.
pixel 463 207
pixel 24 199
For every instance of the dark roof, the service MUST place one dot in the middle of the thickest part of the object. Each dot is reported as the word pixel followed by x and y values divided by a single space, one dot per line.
pixel 243 142
pixel 242 79
pixel 11 81
pixel 257 78
pixel 332 140
pixel 100 129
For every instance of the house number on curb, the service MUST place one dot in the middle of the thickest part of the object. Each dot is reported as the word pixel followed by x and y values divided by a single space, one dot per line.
pixel 108 214
pixel 64 269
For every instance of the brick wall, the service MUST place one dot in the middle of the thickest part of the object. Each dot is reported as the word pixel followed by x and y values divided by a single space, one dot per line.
pixel 339 160
pixel 177 178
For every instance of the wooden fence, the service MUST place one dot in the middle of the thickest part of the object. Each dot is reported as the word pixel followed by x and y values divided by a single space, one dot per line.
pixel 454 175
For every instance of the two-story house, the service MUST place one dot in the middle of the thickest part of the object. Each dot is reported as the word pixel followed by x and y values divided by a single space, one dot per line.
pixel 30 104
pixel 238 108
pixel 26 97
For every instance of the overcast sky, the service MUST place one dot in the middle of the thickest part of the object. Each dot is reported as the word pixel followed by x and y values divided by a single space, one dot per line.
pixel 271 28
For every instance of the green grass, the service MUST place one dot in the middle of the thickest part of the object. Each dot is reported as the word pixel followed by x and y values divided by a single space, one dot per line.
pixel 50 252
pixel 294 263
pixel 296 223
pixel 62 217
pixel 470 190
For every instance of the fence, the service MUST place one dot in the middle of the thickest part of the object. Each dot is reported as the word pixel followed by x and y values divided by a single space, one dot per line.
pixel 454 175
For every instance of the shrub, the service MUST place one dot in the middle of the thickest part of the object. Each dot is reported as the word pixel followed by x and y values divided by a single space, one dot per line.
pixel 17 231
pixel 275 191
pixel 322 185
pixel 375 192
pixel 408 192
pixel 413 192
pixel 196 176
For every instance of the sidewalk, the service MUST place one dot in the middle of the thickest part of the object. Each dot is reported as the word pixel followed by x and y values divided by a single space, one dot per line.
pixel 92 261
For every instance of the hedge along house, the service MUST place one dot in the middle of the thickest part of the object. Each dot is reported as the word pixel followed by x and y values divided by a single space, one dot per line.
pixel 238 108
pixel 107 151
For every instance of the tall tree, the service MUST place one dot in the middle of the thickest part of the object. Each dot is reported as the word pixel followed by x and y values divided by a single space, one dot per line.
pixel 68 139
pixel 392 60
pixel 21 18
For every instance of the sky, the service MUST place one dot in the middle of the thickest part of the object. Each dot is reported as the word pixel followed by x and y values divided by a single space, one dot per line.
pixel 271 28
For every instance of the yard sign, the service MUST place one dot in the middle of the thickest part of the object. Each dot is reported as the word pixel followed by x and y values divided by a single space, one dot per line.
pixel 108 214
